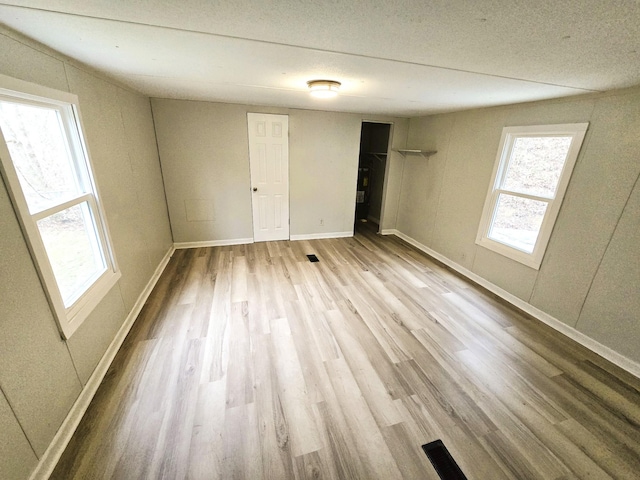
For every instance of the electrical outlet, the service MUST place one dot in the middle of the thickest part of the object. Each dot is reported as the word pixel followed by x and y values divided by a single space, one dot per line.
pixel 322 222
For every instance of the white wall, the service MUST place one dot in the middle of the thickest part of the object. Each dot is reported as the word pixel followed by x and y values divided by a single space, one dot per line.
pixel 204 153
pixel 590 275
pixel 41 375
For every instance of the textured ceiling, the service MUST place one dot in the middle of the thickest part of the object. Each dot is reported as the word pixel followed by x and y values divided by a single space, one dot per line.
pixel 401 57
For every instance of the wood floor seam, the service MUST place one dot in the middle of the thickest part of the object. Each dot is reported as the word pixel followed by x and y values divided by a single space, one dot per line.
pixel 250 362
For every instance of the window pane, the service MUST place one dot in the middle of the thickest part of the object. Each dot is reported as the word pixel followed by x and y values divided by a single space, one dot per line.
pixel 73 248
pixel 517 222
pixel 536 164
pixel 38 147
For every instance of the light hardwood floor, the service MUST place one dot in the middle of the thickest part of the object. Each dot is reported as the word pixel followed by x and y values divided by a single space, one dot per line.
pixel 249 362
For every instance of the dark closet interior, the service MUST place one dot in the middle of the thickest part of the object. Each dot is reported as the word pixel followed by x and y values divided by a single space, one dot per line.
pixel 374 145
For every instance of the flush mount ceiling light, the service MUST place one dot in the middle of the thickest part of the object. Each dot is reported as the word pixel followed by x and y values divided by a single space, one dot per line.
pixel 323 88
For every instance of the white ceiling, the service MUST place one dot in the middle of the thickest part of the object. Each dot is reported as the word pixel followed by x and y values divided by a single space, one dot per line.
pixel 399 57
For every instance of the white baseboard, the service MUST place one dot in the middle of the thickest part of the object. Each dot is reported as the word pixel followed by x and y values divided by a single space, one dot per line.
pixel 213 243
pixel 584 340
pixel 243 241
pixel 52 455
pixel 316 236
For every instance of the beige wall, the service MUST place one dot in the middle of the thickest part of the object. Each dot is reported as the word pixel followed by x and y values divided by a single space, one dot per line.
pixel 41 375
pixel 204 152
pixel 590 275
pixel 324 150
pixel 394 175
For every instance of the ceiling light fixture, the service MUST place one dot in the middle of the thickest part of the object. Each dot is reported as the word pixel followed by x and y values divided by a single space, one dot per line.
pixel 323 88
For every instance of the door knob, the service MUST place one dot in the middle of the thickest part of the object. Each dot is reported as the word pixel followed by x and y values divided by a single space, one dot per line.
pixel 255 189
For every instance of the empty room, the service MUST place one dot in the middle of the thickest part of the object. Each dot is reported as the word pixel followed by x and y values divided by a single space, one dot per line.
pixel 326 240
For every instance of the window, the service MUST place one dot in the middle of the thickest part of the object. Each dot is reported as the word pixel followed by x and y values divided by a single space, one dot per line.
pixel 46 167
pixel 529 180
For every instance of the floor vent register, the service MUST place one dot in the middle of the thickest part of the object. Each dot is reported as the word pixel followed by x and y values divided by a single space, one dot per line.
pixel 442 461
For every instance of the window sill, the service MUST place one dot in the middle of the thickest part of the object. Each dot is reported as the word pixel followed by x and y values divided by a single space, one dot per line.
pixel 82 308
pixel 527 259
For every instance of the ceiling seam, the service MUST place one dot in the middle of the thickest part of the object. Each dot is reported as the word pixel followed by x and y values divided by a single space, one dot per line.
pixel 313 49
pixel 66 60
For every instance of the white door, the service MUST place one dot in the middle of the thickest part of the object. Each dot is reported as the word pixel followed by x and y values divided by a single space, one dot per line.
pixel 269 162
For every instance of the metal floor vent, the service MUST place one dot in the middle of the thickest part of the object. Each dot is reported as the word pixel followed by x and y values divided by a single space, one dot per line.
pixel 312 258
pixel 442 461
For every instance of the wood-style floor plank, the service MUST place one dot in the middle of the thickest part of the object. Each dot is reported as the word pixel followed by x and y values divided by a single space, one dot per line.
pixel 249 362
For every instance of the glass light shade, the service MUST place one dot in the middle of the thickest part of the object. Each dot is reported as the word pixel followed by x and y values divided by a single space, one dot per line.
pixel 323 88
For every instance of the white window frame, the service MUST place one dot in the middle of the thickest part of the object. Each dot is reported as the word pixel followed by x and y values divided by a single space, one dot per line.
pixel 509 135
pixel 68 318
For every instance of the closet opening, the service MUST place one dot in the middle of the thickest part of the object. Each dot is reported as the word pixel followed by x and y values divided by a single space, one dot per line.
pixel 372 169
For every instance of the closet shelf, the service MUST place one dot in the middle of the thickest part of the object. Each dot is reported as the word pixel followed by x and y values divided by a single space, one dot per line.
pixel 378 155
pixel 414 151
